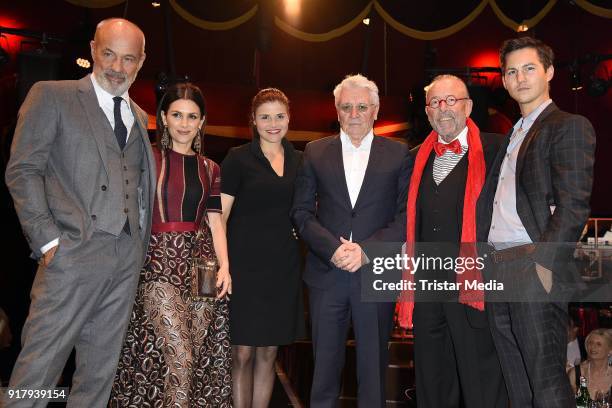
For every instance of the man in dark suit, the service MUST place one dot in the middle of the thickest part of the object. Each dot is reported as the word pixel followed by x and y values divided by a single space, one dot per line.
pixel 350 190
pixel 455 359
pixel 82 177
pixel 538 199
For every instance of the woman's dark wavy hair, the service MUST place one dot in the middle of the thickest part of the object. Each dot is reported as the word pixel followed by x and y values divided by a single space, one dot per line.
pixel 182 90
pixel 264 96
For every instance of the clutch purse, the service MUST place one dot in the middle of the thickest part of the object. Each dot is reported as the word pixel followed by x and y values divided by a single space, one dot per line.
pixel 205 282
pixel 204 266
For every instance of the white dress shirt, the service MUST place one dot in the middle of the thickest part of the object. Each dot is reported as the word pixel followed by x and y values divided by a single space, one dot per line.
pixel 105 100
pixel 507 229
pixel 355 161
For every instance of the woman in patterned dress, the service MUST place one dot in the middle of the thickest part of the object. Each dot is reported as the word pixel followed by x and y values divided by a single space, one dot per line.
pixel 177 351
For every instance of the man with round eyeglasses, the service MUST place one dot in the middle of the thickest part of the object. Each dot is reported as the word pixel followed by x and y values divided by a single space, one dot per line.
pixel 455 359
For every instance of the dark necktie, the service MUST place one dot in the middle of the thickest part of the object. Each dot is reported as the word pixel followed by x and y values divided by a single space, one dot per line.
pixel 453 146
pixel 120 129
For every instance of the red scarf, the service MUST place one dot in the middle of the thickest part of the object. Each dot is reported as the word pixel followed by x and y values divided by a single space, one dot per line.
pixel 475 181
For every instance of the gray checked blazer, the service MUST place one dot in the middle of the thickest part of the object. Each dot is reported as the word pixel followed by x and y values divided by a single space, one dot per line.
pixel 554 177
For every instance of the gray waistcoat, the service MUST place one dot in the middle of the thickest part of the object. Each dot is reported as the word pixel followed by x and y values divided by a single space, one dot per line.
pixel 124 178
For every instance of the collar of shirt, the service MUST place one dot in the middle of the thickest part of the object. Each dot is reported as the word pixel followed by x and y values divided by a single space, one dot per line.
pixel 526 122
pixel 105 99
pixel 365 145
pixel 462 137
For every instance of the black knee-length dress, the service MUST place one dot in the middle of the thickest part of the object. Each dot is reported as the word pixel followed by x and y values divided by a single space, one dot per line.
pixel 264 255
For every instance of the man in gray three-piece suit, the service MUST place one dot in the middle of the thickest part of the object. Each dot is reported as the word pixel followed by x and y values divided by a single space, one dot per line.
pixel 81 174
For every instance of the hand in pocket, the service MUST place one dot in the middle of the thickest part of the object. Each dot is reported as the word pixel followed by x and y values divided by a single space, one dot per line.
pixel 545 276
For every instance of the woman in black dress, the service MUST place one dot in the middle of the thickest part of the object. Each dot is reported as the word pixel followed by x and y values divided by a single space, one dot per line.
pixel 177 351
pixel 256 193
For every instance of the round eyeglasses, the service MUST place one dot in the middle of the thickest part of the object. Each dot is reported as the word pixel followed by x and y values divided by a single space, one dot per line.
pixel 450 100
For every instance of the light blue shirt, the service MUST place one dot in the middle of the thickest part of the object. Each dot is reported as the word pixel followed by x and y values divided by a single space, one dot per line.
pixel 507 230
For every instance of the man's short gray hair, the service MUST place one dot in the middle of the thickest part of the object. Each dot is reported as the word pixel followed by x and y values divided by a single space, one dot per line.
pixel 357 81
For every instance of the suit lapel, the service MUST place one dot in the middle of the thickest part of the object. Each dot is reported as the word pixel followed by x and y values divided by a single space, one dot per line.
pixel 533 131
pixel 485 201
pixel 150 163
pixel 376 153
pixel 139 124
pixel 140 131
pixel 336 161
pixel 492 176
pixel 95 116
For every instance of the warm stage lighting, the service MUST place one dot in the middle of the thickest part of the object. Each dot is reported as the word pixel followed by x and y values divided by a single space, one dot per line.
pixel 292 7
pixel 522 28
pixel 83 63
pixel 155 4
pixel 4 57
pixel 366 21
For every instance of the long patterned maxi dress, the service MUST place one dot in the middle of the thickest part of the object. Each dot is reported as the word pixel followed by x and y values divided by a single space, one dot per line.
pixel 176 352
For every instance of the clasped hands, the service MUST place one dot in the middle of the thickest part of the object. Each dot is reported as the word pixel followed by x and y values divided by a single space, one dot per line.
pixel 349 256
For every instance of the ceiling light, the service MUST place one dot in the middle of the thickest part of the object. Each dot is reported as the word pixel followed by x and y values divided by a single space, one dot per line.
pixel 83 63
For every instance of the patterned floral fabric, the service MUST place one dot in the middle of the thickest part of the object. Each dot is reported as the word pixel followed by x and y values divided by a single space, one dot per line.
pixel 177 352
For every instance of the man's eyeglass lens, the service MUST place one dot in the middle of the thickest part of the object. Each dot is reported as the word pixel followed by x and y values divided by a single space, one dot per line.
pixel 449 100
pixel 348 107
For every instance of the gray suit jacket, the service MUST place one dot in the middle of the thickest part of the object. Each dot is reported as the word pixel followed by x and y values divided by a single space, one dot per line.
pixel 59 161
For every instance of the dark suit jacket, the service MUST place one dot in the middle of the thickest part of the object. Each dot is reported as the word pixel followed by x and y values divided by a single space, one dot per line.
pixel 554 176
pixel 322 209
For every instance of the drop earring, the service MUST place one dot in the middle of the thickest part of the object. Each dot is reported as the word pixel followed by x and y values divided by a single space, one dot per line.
pixel 197 142
pixel 165 139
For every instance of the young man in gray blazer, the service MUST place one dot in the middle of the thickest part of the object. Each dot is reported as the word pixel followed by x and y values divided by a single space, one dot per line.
pixel 82 174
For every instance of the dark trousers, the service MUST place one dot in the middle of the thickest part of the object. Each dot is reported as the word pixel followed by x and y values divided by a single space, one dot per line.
pixel 531 339
pixel 331 310
pixel 455 358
